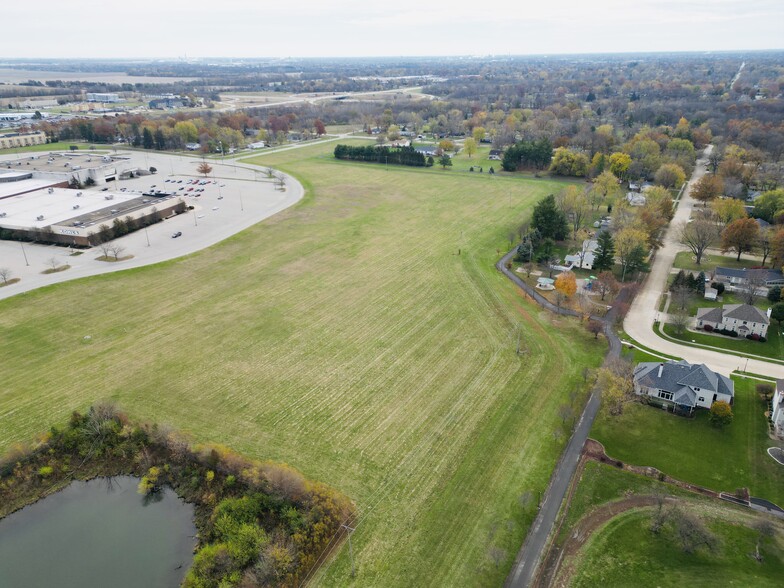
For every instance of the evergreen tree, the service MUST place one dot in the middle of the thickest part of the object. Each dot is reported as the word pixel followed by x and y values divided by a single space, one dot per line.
pixel 147 139
pixel 605 252
pixel 774 294
pixel 701 283
pixel 549 220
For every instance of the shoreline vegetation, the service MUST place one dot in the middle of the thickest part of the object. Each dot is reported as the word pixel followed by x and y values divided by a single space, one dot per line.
pixel 259 523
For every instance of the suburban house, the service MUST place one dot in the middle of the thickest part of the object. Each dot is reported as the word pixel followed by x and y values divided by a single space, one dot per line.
pixel 711 293
pixel 740 277
pixel 585 257
pixel 744 319
pixel 495 154
pixel 777 414
pixel 682 386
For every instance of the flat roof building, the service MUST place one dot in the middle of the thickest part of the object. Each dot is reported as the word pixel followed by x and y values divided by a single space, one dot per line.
pixel 11 140
pixel 103 97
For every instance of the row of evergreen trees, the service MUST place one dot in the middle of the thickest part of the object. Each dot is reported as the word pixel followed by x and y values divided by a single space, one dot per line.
pixel 386 155
pixel 537 154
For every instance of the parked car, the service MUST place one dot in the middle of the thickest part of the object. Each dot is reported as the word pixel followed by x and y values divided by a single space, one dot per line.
pixel 177 234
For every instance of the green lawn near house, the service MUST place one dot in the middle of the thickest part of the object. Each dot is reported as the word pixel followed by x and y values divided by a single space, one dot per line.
pixel 772 348
pixel 709 262
pixel 692 450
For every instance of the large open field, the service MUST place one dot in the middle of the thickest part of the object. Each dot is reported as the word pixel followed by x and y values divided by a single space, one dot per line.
pixel 346 337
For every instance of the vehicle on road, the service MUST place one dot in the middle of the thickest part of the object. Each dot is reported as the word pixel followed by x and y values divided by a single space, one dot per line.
pixel 177 234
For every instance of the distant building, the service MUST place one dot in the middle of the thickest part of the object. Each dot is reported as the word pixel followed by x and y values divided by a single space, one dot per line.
pixel 167 101
pixel 103 97
pixel 495 154
pixel 426 151
pixel 635 199
pixel 585 258
pixel 257 145
pixel 192 146
pixel 11 140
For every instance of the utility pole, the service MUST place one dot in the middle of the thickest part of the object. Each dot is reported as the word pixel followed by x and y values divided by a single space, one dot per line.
pixel 146 234
pixel 350 550
pixel 27 263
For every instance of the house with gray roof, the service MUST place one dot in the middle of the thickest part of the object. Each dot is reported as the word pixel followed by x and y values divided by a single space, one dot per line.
pixel 777 414
pixel 740 277
pixel 682 386
pixel 744 319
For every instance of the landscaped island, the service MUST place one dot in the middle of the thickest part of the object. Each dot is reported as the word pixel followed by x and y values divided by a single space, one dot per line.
pixel 258 523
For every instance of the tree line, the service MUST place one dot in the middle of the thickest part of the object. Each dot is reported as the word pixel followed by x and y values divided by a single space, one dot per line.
pixel 383 154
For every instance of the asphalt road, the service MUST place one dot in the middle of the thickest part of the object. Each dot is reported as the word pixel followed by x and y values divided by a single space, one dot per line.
pixel 642 314
pixel 527 561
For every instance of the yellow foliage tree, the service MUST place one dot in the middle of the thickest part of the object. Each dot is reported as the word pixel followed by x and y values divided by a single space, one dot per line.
pixel 566 284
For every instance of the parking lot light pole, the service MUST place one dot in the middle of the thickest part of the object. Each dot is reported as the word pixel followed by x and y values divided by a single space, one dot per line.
pixel 146 234
pixel 27 263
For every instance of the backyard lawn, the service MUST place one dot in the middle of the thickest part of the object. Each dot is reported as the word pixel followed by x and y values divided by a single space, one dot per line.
pixel 625 553
pixel 362 336
pixel 685 260
pixel 694 451
pixel 772 348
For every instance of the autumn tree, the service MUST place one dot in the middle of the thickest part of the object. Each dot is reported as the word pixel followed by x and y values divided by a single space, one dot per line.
pixel 727 210
pixel 320 128
pixel 720 414
pixel 707 188
pixel 619 164
pixel 606 283
pixel 777 247
pixel 698 235
pixel 765 243
pixel 574 205
pixel 568 162
pixel 204 168
pixel 478 134
pixel 660 200
pixel 605 187
pixel 670 175
pixel 629 244
pixel 594 327
pixel 566 284
pixel 469 146
pixel 740 236
pixel 615 389
pixel 446 145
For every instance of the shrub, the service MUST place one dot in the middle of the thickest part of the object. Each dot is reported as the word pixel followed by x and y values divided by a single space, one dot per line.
pixel 763 339
pixel 719 287
pixel 45 471
pixel 720 414
pixel 708 328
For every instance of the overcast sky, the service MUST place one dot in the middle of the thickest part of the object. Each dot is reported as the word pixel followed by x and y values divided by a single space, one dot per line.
pixel 280 28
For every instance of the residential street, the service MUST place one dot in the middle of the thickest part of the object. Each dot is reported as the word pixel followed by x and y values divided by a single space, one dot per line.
pixel 639 321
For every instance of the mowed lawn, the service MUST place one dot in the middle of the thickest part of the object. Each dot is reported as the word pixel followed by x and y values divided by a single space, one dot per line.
pixel 694 451
pixel 346 337
pixel 625 553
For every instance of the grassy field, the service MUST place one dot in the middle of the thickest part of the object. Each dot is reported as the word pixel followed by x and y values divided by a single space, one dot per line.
pixel 625 553
pixel 694 451
pixel 346 337
pixel 685 260
pixel 601 483
pixel 772 348
pixel 59 146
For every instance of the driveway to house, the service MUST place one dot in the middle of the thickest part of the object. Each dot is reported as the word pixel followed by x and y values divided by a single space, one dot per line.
pixel 238 196
pixel 639 321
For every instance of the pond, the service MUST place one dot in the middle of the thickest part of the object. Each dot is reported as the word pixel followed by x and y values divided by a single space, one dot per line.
pixel 98 533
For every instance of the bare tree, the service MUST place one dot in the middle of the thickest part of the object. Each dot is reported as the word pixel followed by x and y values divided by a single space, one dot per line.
pixel 106 249
pixel 594 327
pixel 116 250
pixel 565 412
pixel 681 296
pixel 54 262
pixel 692 533
pixel 698 235
pixel 766 530
pixel 5 273
pixel 606 284
pixel 765 243
pixel 752 287
pixel 280 182
pixel 680 320
pixel 528 267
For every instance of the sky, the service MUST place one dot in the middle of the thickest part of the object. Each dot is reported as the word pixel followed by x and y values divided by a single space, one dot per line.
pixel 356 28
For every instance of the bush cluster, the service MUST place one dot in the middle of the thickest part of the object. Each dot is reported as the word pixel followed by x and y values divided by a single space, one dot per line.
pixel 259 523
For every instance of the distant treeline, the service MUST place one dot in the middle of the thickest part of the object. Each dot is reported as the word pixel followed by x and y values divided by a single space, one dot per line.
pixel 536 154
pixel 386 155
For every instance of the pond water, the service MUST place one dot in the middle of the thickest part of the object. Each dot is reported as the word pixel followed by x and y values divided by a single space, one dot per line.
pixel 98 533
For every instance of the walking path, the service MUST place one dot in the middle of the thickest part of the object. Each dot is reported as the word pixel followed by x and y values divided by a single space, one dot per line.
pixel 639 321
pixel 530 553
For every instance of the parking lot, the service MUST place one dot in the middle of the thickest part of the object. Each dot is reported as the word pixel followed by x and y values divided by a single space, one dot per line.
pixel 231 198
